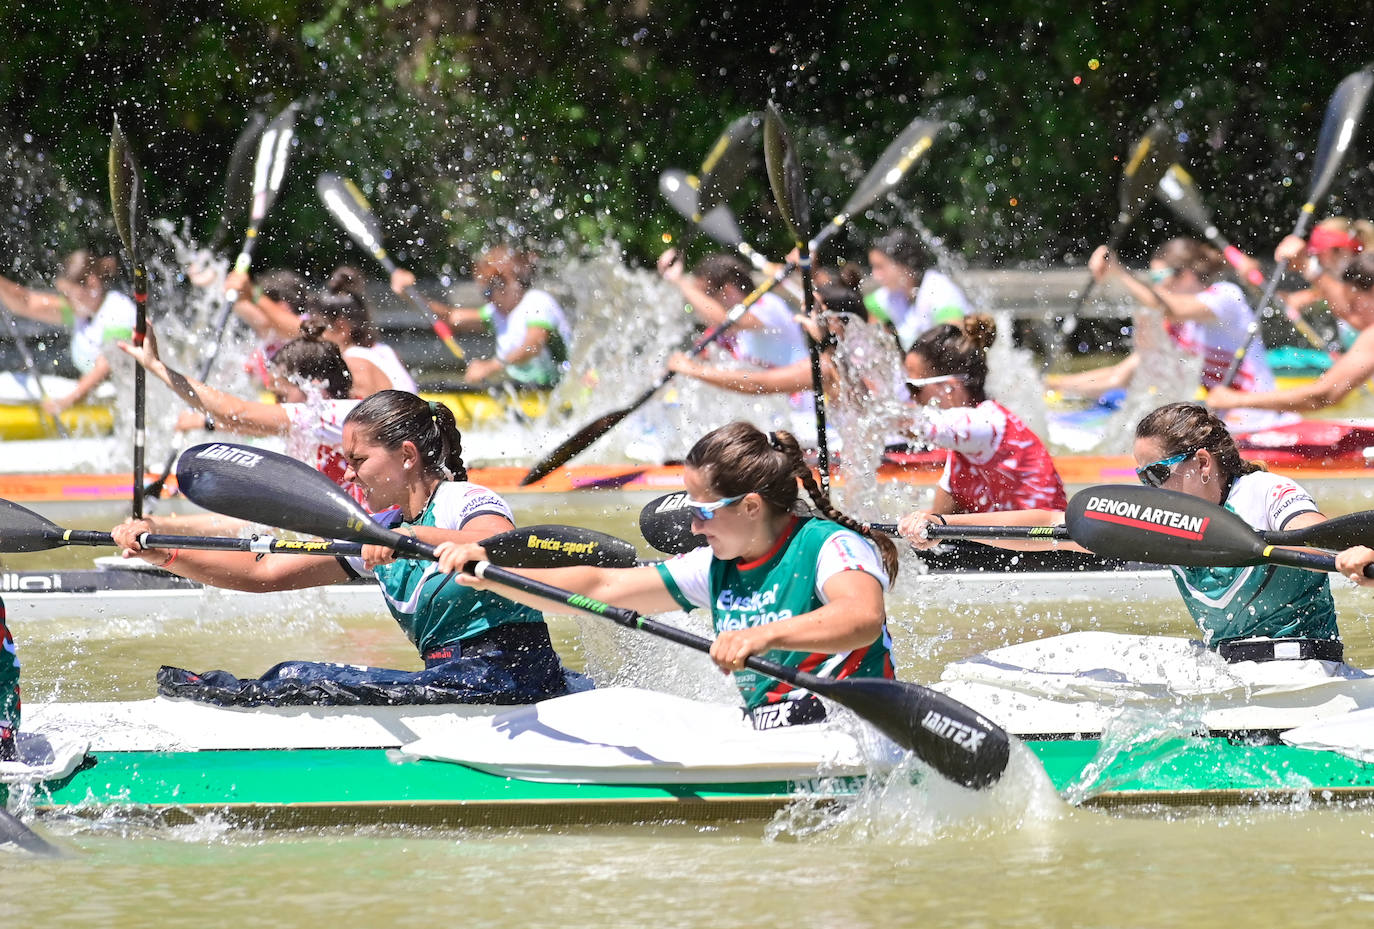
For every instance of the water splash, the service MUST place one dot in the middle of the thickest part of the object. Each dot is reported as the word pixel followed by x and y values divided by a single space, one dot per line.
pixel 1134 744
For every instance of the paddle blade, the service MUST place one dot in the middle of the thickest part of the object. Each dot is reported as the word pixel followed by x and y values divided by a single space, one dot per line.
pixel 959 743
pixel 1138 523
pixel 1177 190
pixel 1344 111
pixel 574 445
pixel 1341 532
pixel 726 163
pixel 557 547
pixel 274 149
pixel 666 525
pixel 1147 162
pixel 351 211
pixel 238 180
pixel 126 190
pixel 785 175
pixel 904 151
pixel 265 487
pixel 23 530
pixel 680 190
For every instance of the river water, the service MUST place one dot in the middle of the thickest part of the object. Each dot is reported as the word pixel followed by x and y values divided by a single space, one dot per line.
pixel 922 856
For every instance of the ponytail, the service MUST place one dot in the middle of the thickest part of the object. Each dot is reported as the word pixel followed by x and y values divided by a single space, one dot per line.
pixel 392 417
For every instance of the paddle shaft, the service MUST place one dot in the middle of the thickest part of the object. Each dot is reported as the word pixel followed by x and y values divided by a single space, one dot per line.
pixel 438 323
pixel 259 544
pixel 36 390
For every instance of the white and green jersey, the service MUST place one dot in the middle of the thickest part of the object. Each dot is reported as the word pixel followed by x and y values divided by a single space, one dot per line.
pixel 1260 600
pixel 536 309
pixel 787 581
pixel 112 322
pixel 429 606
pixel 9 686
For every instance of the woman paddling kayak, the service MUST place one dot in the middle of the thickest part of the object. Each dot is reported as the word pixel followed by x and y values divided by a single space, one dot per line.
pixel 1183 447
pixel 807 593
pixel 478 647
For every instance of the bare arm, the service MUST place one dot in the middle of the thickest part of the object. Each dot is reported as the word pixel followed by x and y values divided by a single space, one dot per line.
pixel 1350 371
pixel 367 377
pixel 782 380
pixel 43 306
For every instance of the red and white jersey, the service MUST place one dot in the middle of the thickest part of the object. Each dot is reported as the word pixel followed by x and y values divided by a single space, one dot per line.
pixel 779 342
pixel 1217 340
pixel 316 437
pixel 995 461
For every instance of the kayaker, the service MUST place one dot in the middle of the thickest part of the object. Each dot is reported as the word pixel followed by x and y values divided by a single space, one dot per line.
pixel 1320 259
pixel 805 592
pixel 9 695
pixel 272 306
pixel 406 454
pixel 1352 369
pixel 1185 448
pixel 311 383
pixel 348 324
pixel 85 302
pixel 994 460
pixel 533 337
pixel 1204 314
pixel 913 295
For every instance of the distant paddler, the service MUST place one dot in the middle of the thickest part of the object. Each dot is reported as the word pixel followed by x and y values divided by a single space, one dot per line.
pixel 533 336
pixel 86 303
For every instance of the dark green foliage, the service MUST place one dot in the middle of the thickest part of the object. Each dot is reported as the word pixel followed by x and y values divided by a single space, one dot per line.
pixel 549 122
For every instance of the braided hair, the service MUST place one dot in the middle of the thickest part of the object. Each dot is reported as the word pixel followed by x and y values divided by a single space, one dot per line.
pixel 739 459
pixel 392 417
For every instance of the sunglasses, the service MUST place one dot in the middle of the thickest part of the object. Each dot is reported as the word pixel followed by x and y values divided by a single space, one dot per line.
pixel 916 383
pixel 707 511
pixel 1160 275
pixel 1157 472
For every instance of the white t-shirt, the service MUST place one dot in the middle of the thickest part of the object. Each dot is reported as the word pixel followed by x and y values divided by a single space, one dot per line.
pixel 1217 340
pixel 1268 501
pixel 536 308
pixel 113 320
pixel 778 343
pixel 938 300
pixel 845 550
pixel 387 361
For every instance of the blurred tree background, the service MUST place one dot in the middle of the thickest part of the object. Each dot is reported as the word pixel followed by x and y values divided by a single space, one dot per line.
pixel 549 122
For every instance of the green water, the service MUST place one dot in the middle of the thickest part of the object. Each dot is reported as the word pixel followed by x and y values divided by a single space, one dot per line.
pixel 908 859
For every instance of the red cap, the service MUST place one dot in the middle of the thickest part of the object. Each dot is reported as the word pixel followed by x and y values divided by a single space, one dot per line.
pixel 1324 238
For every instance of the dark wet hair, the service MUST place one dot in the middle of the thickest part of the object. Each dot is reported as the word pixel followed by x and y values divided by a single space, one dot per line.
pixel 716 272
pixel 960 349
pixel 310 357
pixel 1185 254
pixel 345 307
pixel 286 287
pixel 903 247
pixel 1358 272
pixel 1183 427
pixel 841 299
pixel 393 417
pixel 739 459
pixel 82 264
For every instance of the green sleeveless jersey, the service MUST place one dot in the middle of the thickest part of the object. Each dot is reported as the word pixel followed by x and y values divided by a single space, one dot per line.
pixel 430 607
pixel 780 585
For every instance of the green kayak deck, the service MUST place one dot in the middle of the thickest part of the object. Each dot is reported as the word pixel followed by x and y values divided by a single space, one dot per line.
pixel 287 789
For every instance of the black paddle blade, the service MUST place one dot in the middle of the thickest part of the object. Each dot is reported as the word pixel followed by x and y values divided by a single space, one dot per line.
pixel 666 525
pixel 23 530
pixel 959 743
pixel 726 163
pixel 1138 523
pixel 350 209
pixel 13 832
pixel 785 175
pixel 894 163
pixel 265 487
pixel 1177 190
pixel 126 190
pixel 574 445
pixel 1150 157
pixel 558 547
pixel 238 184
pixel 680 190
pixel 1344 111
pixel 274 150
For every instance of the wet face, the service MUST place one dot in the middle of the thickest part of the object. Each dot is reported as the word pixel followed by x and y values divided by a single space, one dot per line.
pixel 1196 474
pixel 944 394
pixel 381 472
pixel 284 387
pixel 731 528
pixel 85 295
pixel 889 273
pixel 499 284
pixel 1173 280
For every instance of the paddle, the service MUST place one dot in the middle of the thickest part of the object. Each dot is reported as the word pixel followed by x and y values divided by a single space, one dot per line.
pixel 352 212
pixel 951 738
pixel 126 200
pixel 1178 191
pixel 13 832
pixel 35 388
pixel 789 190
pixel 238 184
pixel 719 224
pixel 1344 111
pixel 1149 158
pixel 273 150
pixel 1167 527
pixel 891 167
pixel 22 530
pixel 726 163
